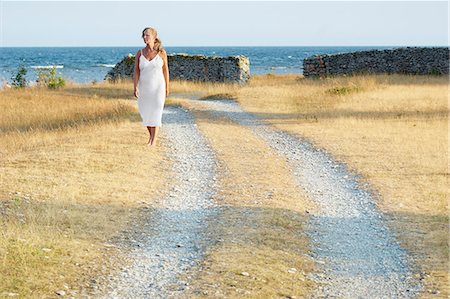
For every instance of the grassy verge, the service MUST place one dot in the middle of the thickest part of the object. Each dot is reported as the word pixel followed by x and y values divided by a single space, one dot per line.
pixel 74 177
pixel 262 251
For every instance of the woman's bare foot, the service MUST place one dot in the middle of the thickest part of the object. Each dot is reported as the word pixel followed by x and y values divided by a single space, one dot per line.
pixel 153 142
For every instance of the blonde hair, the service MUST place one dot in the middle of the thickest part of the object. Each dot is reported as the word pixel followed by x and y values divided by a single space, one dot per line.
pixel 158 45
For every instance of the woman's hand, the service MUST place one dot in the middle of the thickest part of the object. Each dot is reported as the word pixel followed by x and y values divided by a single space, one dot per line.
pixel 167 92
pixel 136 92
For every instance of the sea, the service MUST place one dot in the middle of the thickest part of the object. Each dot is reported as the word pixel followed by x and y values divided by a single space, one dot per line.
pixel 89 64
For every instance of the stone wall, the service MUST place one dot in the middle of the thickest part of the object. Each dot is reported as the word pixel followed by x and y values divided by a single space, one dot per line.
pixel 410 60
pixel 193 68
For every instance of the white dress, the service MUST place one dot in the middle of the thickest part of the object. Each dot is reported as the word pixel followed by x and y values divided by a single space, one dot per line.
pixel 152 90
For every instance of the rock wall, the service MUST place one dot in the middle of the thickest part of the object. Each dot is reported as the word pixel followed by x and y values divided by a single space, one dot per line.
pixel 410 60
pixel 193 68
pixel 122 70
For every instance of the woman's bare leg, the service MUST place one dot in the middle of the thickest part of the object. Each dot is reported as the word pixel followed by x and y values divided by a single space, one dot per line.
pixel 154 134
pixel 150 138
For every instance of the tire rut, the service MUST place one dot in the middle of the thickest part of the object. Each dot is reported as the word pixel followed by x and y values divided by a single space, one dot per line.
pixel 174 238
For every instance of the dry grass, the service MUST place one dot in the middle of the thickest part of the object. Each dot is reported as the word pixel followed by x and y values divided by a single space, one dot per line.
pixel 390 129
pixel 70 187
pixel 66 177
pixel 261 228
pixel 393 130
pixel 196 88
pixel 38 108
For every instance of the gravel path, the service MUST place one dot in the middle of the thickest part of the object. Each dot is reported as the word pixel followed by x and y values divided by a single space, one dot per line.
pixel 357 255
pixel 174 240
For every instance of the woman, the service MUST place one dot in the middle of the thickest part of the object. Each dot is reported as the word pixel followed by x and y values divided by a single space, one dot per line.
pixel 151 82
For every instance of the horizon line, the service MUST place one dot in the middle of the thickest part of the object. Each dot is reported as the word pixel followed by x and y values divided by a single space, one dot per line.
pixel 228 46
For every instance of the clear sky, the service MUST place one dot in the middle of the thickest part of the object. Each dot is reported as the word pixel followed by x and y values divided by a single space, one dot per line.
pixel 226 23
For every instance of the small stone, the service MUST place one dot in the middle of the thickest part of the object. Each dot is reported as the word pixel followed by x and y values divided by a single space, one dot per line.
pixel 60 292
pixel 292 270
pixel 8 294
pixel 245 274
pixel 46 249
pixel 435 292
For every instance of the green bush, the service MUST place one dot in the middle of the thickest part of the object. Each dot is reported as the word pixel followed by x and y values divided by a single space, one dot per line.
pixel 19 80
pixel 48 78
pixel 342 90
pixel 434 72
pixel 220 96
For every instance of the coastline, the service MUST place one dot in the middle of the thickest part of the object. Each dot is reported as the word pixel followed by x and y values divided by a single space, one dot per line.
pixel 86 64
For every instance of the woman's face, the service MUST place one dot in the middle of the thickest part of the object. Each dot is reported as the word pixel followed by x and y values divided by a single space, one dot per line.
pixel 148 37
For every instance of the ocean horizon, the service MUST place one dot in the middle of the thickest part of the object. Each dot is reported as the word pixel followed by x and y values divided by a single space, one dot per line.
pixel 91 63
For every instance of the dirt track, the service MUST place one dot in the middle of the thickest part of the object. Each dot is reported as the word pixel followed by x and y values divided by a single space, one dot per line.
pixel 355 253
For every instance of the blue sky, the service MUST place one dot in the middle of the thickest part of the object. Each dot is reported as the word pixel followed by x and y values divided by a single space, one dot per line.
pixel 226 23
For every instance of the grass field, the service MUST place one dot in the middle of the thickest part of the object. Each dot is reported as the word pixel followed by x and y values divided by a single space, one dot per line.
pixel 66 176
pixel 74 175
pixel 392 130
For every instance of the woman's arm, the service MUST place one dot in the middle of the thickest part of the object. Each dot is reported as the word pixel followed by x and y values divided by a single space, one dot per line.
pixel 136 73
pixel 165 71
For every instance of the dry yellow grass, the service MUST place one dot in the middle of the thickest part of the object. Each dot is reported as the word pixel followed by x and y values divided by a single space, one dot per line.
pixel 74 176
pixel 38 108
pixel 262 226
pixel 393 130
pixel 69 188
pixel 202 88
pixel 390 129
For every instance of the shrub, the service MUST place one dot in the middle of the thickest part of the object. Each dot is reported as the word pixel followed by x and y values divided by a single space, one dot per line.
pixel 342 90
pixel 47 77
pixel 19 80
pixel 434 72
pixel 219 96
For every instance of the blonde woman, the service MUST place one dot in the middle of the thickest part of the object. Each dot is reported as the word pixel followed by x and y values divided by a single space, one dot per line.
pixel 151 82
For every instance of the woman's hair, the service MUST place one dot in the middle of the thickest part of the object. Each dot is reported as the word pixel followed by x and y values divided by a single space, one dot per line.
pixel 158 45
